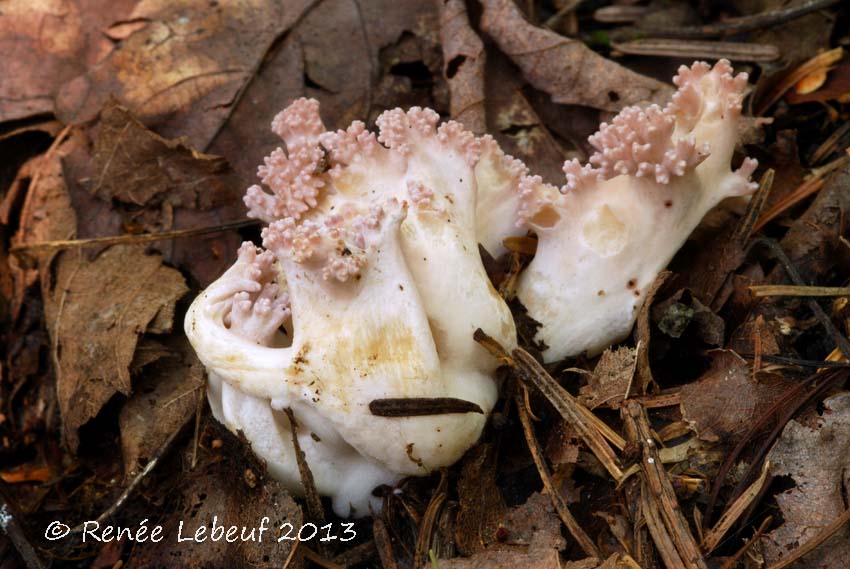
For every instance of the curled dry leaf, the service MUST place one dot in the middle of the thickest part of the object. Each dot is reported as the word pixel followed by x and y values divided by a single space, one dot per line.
pixel 182 71
pixel 724 401
pixel 463 65
pixel 43 44
pixel 95 311
pixel 816 459
pixel 611 378
pixel 565 68
pixel 163 400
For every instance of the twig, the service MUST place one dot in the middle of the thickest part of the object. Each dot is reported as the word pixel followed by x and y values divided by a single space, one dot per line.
pixel 828 146
pixel 314 502
pixel 825 321
pixel 29 248
pixel 429 521
pixel 795 290
pixel 732 561
pixel 663 542
pixel 383 544
pixel 291 555
pixel 697 49
pixel 11 526
pixel 134 483
pixel 530 371
pixel 743 24
pixel 661 493
pixel 736 510
pixel 747 224
pixel 813 543
pixel 564 513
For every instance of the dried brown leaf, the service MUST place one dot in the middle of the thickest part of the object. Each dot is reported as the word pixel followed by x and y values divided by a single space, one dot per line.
pixel 530 538
pixel 463 66
pixel 182 71
pixel 95 312
pixel 611 379
pixel 816 459
pixel 565 68
pixel 135 166
pixel 723 402
pixel 45 43
pixel 163 400
pixel 309 62
pixel 217 490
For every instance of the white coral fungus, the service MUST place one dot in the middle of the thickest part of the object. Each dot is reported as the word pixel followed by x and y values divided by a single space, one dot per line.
pixel 370 286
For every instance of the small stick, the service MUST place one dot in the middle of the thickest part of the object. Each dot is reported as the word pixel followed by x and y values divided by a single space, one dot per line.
pixel 743 24
pixel 29 248
pixel 661 493
pixel 134 483
pixel 795 290
pixel 730 516
pixel 695 49
pixel 314 557
pixel 429 520
pixel 11 526
pixel 564 513
pixel 314 502
pixel 732 561
pixel 530 371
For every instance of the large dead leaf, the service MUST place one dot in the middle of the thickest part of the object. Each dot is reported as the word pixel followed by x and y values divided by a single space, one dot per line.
pixel 464 58
pixel 95 311
pixel 309 62
pixel 817 460
pixel 44 43
pixel 230 489
pixel 726 399
pixel 163 399
pixel 136 181
pixel 182 71
pixel 565 68
pixel 531 538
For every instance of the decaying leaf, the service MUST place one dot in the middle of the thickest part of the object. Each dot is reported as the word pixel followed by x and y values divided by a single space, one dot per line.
pixel 133 165
pixel 95 311
pixel 182 71
pixel 463 66
pixel 163 400
pixel 816 459
pixel 309 62
pixel 45 43
pixel 566 69
pixel 530 538
pixel 218 490
pixel 683 311
pixel 723 402
pixel 611 379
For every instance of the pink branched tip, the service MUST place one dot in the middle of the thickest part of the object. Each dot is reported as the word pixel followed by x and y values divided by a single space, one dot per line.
pixel 505 165
pixel 705 92
pixel 295 181
pixel 345 146
pixel 455 136
pixel 640 142
pixel 534 196
pixel 299 124
pixel 420 194
pixel 579 177
pixel 398 129
pixel 337 246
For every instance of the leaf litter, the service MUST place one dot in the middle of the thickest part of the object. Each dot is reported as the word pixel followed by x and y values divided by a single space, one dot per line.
pixel 158 115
